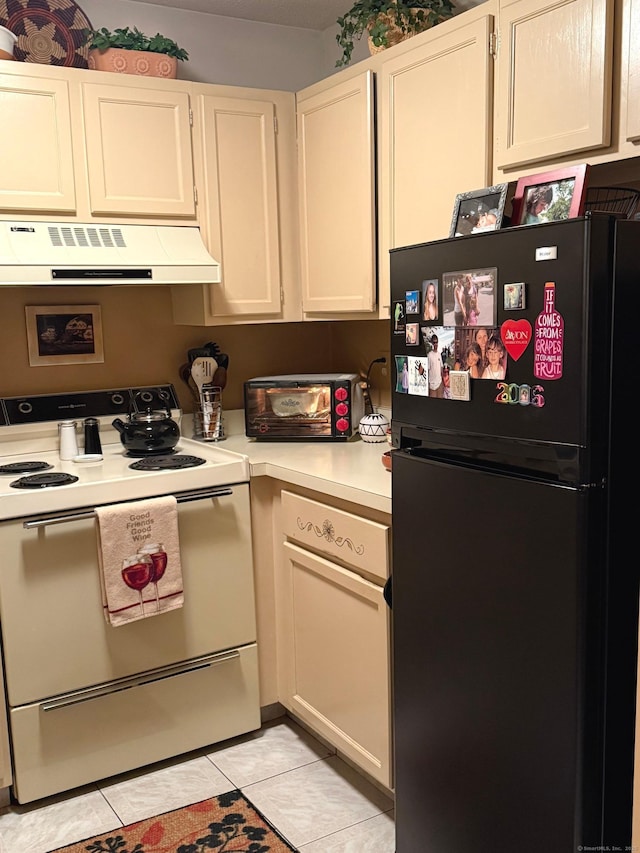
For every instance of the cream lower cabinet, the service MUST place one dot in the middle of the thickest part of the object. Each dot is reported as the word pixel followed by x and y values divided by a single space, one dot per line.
pixel 336 173
pixel 333 630
pixel 554 91
pixel 245 166
pixel 435 132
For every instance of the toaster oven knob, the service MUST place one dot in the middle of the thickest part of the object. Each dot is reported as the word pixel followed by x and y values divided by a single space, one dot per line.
pixel 342 425
pixel 342 409
pixel 341 394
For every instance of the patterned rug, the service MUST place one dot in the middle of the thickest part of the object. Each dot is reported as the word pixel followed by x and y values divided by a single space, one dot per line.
pixel 227 823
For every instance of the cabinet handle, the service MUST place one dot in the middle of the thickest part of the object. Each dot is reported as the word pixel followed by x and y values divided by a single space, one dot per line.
pixel 78 696
pixel 82 515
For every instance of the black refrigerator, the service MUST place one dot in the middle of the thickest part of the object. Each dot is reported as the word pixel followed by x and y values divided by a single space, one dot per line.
pixel 515 570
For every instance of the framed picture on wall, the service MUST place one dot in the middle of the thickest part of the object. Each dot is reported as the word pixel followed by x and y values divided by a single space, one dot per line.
pixel 64 334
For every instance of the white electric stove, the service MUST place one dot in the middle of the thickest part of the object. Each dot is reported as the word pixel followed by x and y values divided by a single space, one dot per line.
pixel 87 700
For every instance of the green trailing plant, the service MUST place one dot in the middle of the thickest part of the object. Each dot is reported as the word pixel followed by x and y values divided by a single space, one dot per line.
pixel 133 39
pixel 379 18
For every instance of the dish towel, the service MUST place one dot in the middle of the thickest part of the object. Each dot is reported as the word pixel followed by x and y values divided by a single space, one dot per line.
pixel 139 559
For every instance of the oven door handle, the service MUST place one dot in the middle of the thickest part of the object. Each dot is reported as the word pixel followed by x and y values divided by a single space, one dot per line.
pixel 79 696
pixel 183 497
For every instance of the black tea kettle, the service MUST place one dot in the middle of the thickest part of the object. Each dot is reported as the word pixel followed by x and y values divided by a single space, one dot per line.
pixel 148 433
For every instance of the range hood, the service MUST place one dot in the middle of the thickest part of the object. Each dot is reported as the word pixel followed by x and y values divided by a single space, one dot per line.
pixel 63 253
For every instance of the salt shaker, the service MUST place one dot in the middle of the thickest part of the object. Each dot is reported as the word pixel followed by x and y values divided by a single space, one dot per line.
pixel 68 440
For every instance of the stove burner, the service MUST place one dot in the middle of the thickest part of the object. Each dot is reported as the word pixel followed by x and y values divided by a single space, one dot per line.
pixel 24 467
pixel 162 463
pixel 43 481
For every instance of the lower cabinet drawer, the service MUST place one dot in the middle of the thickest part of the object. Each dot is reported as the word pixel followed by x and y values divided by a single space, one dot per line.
pixel 63 743
pixel 355 541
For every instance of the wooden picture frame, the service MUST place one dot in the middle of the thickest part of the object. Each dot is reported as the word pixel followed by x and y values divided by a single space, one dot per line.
pixel 550 196
pixel 478 211
pixel 64 334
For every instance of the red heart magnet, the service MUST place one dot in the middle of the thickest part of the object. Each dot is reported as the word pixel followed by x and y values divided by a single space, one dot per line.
pixel 516 335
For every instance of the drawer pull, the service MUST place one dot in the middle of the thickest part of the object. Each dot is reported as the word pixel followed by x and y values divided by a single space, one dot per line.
pixel 327 531
pixel 78 696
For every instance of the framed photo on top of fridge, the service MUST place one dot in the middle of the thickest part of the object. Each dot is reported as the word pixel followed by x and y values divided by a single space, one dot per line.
pixel 470 297
pixel 550 196
pixel 478 211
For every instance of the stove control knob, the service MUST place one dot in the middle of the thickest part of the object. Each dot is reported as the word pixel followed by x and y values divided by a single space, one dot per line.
pixel 117 399
pixel 146 396
pixel 25 408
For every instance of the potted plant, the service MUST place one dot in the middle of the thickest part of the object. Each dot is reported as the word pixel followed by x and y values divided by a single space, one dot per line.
pixel 388 22
pixel 130 51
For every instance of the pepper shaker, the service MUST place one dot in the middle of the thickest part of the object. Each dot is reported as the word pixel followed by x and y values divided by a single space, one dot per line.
pixel 92 436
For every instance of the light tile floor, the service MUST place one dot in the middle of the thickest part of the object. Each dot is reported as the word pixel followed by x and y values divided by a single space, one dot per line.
pixel 314 799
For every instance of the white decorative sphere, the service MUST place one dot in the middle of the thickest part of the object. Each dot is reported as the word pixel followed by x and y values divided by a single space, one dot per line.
pixel 373 428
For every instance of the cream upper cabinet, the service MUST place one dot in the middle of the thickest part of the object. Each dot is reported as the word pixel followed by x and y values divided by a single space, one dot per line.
pixel 244 149
pixel 138 147
pixel 630 79
pixel 336 174
pixel 435 132
pixel 241 187
pixel 36 149
pixel 554 89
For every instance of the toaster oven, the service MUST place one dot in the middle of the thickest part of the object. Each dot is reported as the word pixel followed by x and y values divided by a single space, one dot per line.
pixel 324 406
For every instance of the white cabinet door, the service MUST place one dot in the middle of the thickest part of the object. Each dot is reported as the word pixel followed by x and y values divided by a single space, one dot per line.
pixel 630 111
pixel 36 151
pixel 554 88
pixel 241 185
pixel 336 173
pixel 138 144
pixel 435 139
pixel 336 658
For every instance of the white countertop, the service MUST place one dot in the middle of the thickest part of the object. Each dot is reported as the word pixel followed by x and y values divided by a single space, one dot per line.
pixel 350 470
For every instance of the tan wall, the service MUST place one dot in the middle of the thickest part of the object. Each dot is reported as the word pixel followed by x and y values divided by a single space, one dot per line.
pixel 143 347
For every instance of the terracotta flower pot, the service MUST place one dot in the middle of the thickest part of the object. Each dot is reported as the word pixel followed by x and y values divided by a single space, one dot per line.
pixel 141 62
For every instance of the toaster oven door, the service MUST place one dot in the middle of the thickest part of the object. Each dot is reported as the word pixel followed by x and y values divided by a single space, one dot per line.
pixel 289 412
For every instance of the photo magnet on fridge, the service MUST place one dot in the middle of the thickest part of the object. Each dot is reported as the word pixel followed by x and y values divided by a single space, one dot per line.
pixel 399 314
pixel 514 297
pixel 412 334
pixel 413 301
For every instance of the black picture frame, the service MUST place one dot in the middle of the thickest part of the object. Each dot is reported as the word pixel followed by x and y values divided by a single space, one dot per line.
pixel 471 206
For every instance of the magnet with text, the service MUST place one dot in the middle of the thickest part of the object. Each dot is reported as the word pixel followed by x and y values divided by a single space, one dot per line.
pixel 516 336
pixel 514 296
pixel 399 314
pixel 548 345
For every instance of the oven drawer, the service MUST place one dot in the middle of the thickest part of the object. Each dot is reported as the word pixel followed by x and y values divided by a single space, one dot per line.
pixel 54 633
pixel 357 542
pixel 58 746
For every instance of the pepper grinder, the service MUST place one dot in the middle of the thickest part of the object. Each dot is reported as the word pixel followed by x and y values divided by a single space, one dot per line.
pixel 92 436
pixel 68 440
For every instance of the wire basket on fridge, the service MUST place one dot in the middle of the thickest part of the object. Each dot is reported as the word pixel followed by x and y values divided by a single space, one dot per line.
pixel 623 200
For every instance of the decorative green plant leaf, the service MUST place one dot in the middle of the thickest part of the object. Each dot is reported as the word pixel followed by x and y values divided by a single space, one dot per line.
pixel 133 39
pixel 411 17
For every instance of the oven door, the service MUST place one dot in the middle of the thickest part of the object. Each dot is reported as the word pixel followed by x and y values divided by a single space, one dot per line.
pixel 54 634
